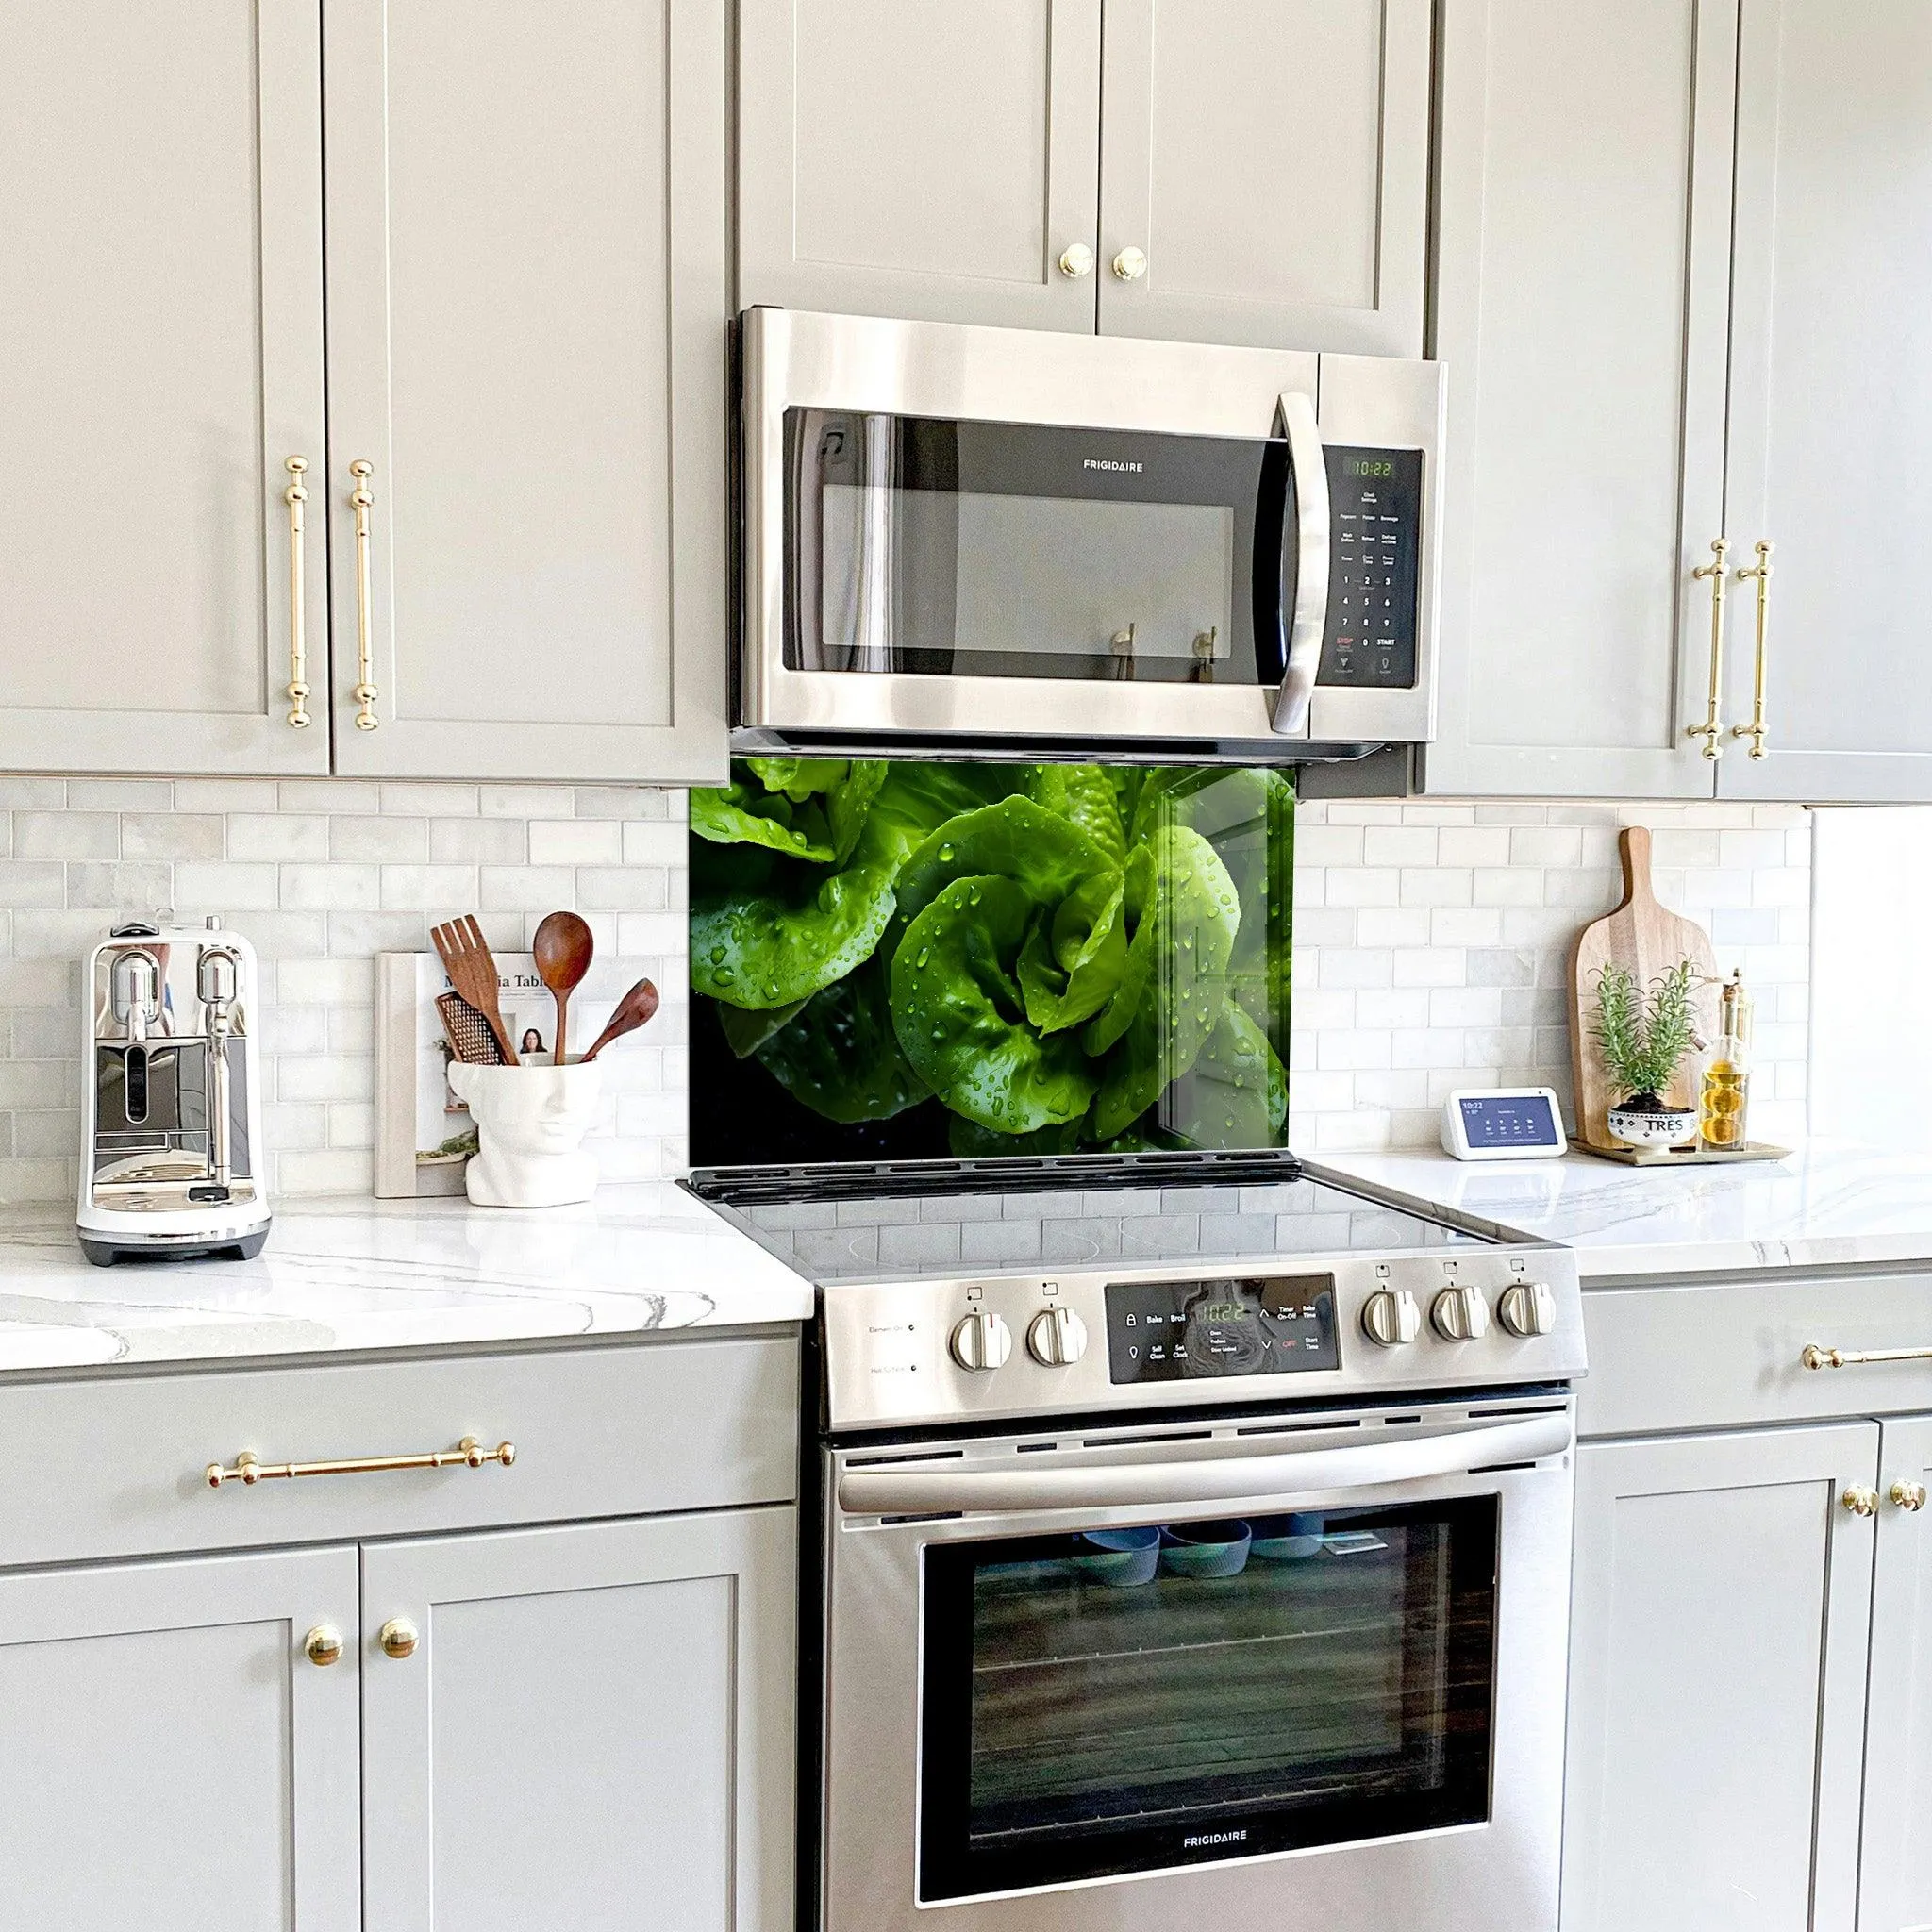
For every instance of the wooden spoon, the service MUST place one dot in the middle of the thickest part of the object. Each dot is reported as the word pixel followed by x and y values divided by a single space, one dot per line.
pixel 562 948
pixel 633 1009
pixel 466 958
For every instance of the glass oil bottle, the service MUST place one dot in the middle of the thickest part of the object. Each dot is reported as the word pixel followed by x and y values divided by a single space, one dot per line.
pixel 1724 1104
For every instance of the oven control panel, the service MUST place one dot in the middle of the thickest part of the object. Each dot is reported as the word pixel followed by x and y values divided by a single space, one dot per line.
pixel 1129 1338
pixel 1374 560
pixel 1204 1330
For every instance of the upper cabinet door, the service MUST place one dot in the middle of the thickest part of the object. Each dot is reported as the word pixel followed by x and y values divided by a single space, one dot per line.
pixel 1895 1865
pixel 1264 172
pixel 584 1726
pixel 175 1761
pixel 1831 397
pixel 1582 265
pixel 160 359
pixel 919 158
pixel 528 319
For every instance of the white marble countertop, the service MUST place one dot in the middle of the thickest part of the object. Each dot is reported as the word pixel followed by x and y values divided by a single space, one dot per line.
pixel 351 1274
pixel 1832 1204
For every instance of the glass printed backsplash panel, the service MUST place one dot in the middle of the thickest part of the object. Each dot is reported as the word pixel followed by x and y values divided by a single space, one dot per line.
pixel 898 960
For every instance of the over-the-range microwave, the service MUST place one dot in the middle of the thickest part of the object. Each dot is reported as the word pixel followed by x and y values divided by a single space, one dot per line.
pixel 964 537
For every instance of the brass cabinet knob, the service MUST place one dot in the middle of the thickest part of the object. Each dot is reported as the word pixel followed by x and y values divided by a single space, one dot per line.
pixel 397 1638
pixel 323 1645
pixel 1860 1501
pixel 1130 264
pixel 1077 259
pixel 1909 1495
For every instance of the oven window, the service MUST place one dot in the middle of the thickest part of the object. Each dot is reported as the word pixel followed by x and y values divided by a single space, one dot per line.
pixel 1125 1701
pixel 1013 550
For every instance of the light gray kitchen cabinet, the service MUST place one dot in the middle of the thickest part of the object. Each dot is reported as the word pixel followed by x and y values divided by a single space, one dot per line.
pixel 1581 268
pixel 1831 397
pixel 173 1759
pixel 919 159
pixel 1895 1863
pixel 528 310
pixel 1720 1615
pixel 593 1727
pixel 1270 164
pixel 1225 171
pixel 161 361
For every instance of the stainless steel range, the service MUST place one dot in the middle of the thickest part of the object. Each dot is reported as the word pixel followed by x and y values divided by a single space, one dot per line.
pixel 1202 1560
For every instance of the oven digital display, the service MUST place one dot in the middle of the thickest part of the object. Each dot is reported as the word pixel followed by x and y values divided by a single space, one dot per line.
pixel 1195 1331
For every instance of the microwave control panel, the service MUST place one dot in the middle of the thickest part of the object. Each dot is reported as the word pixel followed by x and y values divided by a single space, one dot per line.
pixel 1374 562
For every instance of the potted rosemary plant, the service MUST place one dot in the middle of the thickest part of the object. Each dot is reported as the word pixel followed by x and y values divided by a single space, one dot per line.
pixel 1643 1037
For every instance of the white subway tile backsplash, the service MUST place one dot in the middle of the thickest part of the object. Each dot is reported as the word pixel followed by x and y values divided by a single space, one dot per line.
pixel 1492 963
pixel 575 842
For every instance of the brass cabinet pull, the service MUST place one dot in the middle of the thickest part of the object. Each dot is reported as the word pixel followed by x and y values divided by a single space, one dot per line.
pixel 1860 1501
pixel 1815 1358
pixel 322 1647
pixel 1130 264
pixel 248 1469
pixel 1754 730
pixel 295 495
pixel 365 693
pixel 1909 1495
pixel 1712 729
pixel 398 1638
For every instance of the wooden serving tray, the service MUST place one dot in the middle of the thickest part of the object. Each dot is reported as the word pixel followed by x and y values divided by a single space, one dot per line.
pixel 1682 1157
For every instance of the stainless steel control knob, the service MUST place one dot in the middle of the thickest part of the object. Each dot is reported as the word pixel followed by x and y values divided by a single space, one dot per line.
pixel 1526 1308
pixel 981 1343
pixel 1460 1314
pixel 1391 1317
pixel 1056 1338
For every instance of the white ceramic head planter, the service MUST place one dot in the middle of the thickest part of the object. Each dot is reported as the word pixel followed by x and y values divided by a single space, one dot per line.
pixel 530 1124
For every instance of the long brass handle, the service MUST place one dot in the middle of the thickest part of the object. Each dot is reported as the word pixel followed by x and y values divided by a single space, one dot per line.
pixel 295 495
pixel 1712 729
pixel 365 693
pixel 248 1469
pixel 1754 730
pixel 1815 1358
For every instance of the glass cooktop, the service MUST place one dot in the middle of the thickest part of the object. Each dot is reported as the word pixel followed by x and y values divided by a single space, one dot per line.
pixel 906 1238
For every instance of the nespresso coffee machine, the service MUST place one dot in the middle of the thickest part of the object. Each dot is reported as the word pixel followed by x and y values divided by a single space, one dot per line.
pixel 171 1150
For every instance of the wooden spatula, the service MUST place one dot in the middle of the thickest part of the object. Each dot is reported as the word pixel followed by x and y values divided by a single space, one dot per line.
pixel 465 957
pixel 633 1009
pixel 468 1032
pixel 1642 937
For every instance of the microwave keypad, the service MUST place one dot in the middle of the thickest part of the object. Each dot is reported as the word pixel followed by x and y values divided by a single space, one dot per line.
pixel 1375 497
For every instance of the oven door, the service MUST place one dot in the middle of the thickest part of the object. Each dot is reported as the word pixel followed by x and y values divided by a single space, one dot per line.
pixel 1310 1671
pixel 995 535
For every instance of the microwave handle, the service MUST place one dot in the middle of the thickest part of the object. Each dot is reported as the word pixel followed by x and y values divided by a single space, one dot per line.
pixel 1303 629
pixel 1217 1480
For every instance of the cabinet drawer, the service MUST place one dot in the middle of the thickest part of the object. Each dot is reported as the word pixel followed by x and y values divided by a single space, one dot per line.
pixel 1688 1355
pixel 117 1466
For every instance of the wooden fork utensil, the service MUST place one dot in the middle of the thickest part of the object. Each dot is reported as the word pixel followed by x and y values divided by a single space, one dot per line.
pixel 465 957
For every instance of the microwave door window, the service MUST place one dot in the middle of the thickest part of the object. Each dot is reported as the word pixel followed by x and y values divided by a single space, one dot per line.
pixel 1001 551
pixel 1096 1708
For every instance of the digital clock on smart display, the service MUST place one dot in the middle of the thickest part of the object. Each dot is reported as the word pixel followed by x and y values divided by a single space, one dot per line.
pixel 1503 1123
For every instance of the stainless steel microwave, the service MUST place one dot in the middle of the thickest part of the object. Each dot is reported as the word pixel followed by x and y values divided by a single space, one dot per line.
pixel 965 537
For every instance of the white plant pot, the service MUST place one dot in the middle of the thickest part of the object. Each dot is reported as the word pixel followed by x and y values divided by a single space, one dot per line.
pixel 1666 1128
pixel 530 1125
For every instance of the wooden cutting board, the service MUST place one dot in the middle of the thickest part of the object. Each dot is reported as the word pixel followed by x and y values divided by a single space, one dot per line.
pixel 1647 941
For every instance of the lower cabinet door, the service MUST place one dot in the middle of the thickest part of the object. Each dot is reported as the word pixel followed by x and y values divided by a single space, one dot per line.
pixel 1896 1866
pixel 171 1760
pixel 1720 1617
pixel 586 1727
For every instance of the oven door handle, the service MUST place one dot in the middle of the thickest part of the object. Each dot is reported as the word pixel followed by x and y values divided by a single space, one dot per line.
pixel 1218 1479
pixel 1305 628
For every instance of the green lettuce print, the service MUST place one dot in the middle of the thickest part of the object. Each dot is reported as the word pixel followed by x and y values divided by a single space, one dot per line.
pixel 1059 958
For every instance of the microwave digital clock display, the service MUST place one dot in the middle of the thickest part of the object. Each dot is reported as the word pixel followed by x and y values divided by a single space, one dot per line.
pixel 1375 566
